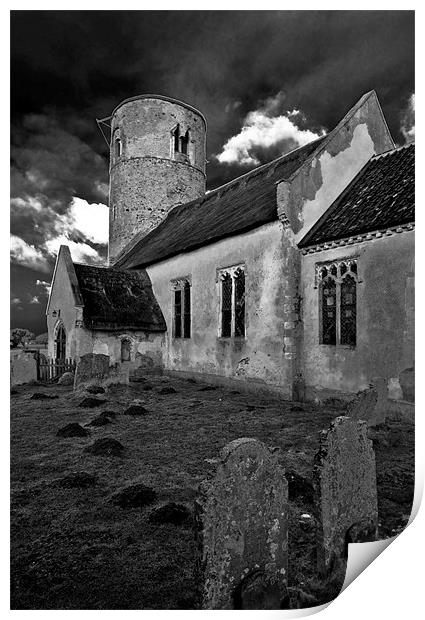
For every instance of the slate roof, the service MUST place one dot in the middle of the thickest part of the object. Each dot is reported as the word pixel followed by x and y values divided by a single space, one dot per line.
pixel 118 299
pixel 381 196
pixel 241 205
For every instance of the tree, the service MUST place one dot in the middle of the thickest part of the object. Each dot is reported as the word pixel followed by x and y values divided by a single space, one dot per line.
pixel 19 335
pixel 42 338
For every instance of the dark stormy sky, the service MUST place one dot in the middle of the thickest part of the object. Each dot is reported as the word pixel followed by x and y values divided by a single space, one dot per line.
pixel 267 82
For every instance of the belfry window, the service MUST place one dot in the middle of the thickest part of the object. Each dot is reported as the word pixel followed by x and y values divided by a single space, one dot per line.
pixel 184 141
pixel 180 141
pixel 182 311
pixel 176 135
pixel 232 302
pixel 338 302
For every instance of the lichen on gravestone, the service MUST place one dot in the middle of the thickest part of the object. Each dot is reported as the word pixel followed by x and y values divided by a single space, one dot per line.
pixel 345 492
pixel 241 516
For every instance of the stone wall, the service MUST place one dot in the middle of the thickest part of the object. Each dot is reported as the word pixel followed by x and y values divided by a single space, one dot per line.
pixel 148 179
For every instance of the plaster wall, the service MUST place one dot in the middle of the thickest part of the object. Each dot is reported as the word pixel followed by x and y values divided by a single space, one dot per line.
pixel 305 197
pixel 63 303
pixel 385 318
pixel 145 347
pixel 266 354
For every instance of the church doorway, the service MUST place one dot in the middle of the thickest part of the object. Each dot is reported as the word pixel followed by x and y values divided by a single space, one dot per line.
pixel 60 343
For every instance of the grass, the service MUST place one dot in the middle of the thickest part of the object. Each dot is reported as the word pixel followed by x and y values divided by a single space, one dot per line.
pixel 74 549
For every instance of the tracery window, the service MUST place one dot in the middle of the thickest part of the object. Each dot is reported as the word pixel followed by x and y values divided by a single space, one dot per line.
pixel 338 302
pixel 182 311
pixel 232 302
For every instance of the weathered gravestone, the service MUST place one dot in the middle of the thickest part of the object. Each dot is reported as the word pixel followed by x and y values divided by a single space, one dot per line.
pixel 23 368
pixel 345 492
pixel 372 404
pixel 241 517
pixel 95 369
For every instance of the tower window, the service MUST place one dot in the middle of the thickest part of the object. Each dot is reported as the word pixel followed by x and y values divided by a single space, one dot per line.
pixel 179 141
pixel 338 303
pixel 176 135
pixel 232 302
pixel 184 141
pixel 182 309
pixel 118 147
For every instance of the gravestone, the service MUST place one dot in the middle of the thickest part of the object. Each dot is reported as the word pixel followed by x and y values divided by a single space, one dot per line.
pixel 346 503
pixel 95 369
pixel 372 404
pixel 241 517
pixel 23 368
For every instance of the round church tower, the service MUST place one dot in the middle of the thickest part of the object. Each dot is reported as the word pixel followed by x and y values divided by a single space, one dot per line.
pixel 157 161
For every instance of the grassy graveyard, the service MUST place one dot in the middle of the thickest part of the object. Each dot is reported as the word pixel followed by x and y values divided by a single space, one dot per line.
pixel 76 540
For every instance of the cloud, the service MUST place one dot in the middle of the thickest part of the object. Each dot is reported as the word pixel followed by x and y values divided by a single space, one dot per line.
pixel 80 252
pixel 15 301
pixel 46 286
pixel 58 190
pixel 265 128
pixel 407 127
pixel 27 255
pixel 34 300
pixel 91 220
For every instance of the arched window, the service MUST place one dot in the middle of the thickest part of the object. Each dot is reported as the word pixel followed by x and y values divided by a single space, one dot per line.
pixel 60 343
pixel 328 299
pixel 348 311
pixel 176 136
pixel 125 350
pixel 180 142
pixel 118 147
pixel 182 309
pixel 184 142
pixel 338 302
pixel 232 301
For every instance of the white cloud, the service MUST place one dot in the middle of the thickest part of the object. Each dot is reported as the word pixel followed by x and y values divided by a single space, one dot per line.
pixel 27 255
pixel 80 252
pixel 34 300
pixel 92 220
pixel 46 286
pixel 408 120
pixel 264 128
pixel 15 301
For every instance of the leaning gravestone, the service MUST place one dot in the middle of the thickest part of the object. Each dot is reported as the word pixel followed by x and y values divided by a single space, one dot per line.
pixel 241 517
pixel 345 491
pixel 371 404
pixel 95 369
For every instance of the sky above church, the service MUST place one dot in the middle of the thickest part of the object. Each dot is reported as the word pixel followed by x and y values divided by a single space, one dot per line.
pixel 267 83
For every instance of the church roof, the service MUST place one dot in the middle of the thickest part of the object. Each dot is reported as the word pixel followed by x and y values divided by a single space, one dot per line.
pixel 118 299
pixel 239 206
pixel 380 197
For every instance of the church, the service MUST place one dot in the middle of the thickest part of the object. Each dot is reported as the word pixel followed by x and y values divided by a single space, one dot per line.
pixel 296 277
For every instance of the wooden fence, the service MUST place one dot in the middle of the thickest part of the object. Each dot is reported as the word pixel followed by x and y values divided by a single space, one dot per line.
pixel 51 369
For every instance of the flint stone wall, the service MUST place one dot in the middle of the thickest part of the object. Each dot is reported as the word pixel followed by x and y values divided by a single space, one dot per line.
pixel 95 369
pixel 345 491
pixel 241 515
